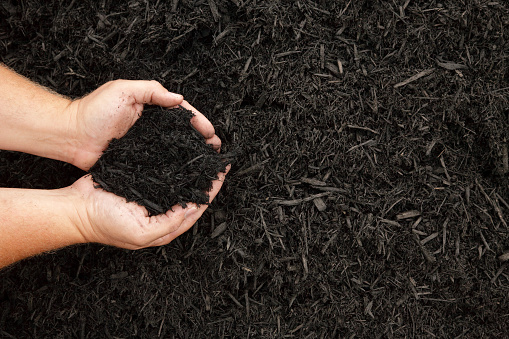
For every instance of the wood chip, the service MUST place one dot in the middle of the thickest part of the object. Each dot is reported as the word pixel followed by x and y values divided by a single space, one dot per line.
pixel 430 258
pixel 214 10
pixel 222 35
pixel 174 5
pixel 313 182
pixel 429 238
pixel 504 257
pixel 283 54
pixel 408 215
pixel 331 189
pixel 253 168
pixel 320 204
pixel 365 143
pixel 334 69
pixel 415 77
pixel 390 222
pixel 119 275
pixel 493 203
pixel 329 242
pixel 234 300
pixel 300 201
pixel 362 128
pixel 451 65
pixel 219 230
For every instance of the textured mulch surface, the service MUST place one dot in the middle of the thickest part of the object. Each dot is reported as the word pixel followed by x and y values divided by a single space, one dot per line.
pixel 370 192
pixel 161 162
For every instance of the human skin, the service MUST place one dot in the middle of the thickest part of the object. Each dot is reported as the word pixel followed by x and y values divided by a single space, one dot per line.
pixel 38 121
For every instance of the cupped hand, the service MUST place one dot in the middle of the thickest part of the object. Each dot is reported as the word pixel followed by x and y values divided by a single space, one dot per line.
pixel 108 219
pixel 113 108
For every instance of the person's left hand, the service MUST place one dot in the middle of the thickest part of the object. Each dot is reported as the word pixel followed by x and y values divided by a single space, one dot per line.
pixel 112 109
pixel 109 219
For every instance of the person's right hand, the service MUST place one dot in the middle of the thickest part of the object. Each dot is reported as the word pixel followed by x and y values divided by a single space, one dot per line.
pixel 108 219
pixel 112 109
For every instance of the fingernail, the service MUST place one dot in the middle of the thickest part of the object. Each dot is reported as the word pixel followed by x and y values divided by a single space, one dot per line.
pixel 191 213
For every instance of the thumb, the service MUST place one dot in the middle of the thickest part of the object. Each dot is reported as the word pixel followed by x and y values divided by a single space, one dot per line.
pixel 153 93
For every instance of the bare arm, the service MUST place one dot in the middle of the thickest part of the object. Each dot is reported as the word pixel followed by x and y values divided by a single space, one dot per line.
pixel 32 119
pixel 35 120
pixel 35 221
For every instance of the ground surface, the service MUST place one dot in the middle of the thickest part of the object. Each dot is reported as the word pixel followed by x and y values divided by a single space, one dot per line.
pixel 370 196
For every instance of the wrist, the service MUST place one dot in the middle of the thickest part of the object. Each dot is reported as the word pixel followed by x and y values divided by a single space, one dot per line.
pixel 74 207
pixel 70 206
pixel 73 144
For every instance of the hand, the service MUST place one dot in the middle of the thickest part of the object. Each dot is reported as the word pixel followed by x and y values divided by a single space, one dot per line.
pixel 108 113
pixel 108 219
pixel 112 109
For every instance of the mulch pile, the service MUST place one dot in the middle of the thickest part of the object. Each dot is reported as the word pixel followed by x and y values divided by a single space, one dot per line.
pixel 370 192
pixel 161 162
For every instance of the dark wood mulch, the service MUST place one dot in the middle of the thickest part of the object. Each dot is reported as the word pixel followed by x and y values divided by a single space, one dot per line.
pixel 161 162
pixel 369 196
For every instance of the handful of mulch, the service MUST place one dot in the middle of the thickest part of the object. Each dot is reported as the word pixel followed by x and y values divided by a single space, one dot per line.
pixel 161 162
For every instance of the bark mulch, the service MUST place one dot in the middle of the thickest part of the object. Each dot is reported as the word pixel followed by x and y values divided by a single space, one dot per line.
pixel 369 195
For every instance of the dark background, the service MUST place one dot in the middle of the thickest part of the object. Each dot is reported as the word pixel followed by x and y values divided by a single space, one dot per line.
pixel 310 95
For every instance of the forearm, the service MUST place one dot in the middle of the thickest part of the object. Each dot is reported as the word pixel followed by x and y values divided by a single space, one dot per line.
pixel 36 221
pixel 32 119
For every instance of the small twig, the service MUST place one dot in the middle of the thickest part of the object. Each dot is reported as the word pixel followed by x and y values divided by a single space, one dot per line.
pixel 429 238
pixel 408 215
pixel 494 204
pixel 253 168
pixel 329 242
pixel 369 142
pixel 363 128
pixel 265 228
pixel 442 162
pixel 444 234
pixel 299 201
pixel 499 272
pixel 283 54
pixel 502 200
pixel 483 239
pixel 313 182
pixel 234 300
pixel 415 77
pixel 190 162
pixel 427 255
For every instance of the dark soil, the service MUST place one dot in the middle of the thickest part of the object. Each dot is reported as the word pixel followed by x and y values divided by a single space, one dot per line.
pixel 370 197
pixel 161 162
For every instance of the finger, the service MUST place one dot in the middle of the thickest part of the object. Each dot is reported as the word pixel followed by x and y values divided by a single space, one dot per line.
pixel 200 122
pixel 215 142
pixel 184 227
pixel 168 222
pixel 151 92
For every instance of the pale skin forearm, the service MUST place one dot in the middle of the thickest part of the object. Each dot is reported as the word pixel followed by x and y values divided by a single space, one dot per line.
pixel 36 221
pixel 32 119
